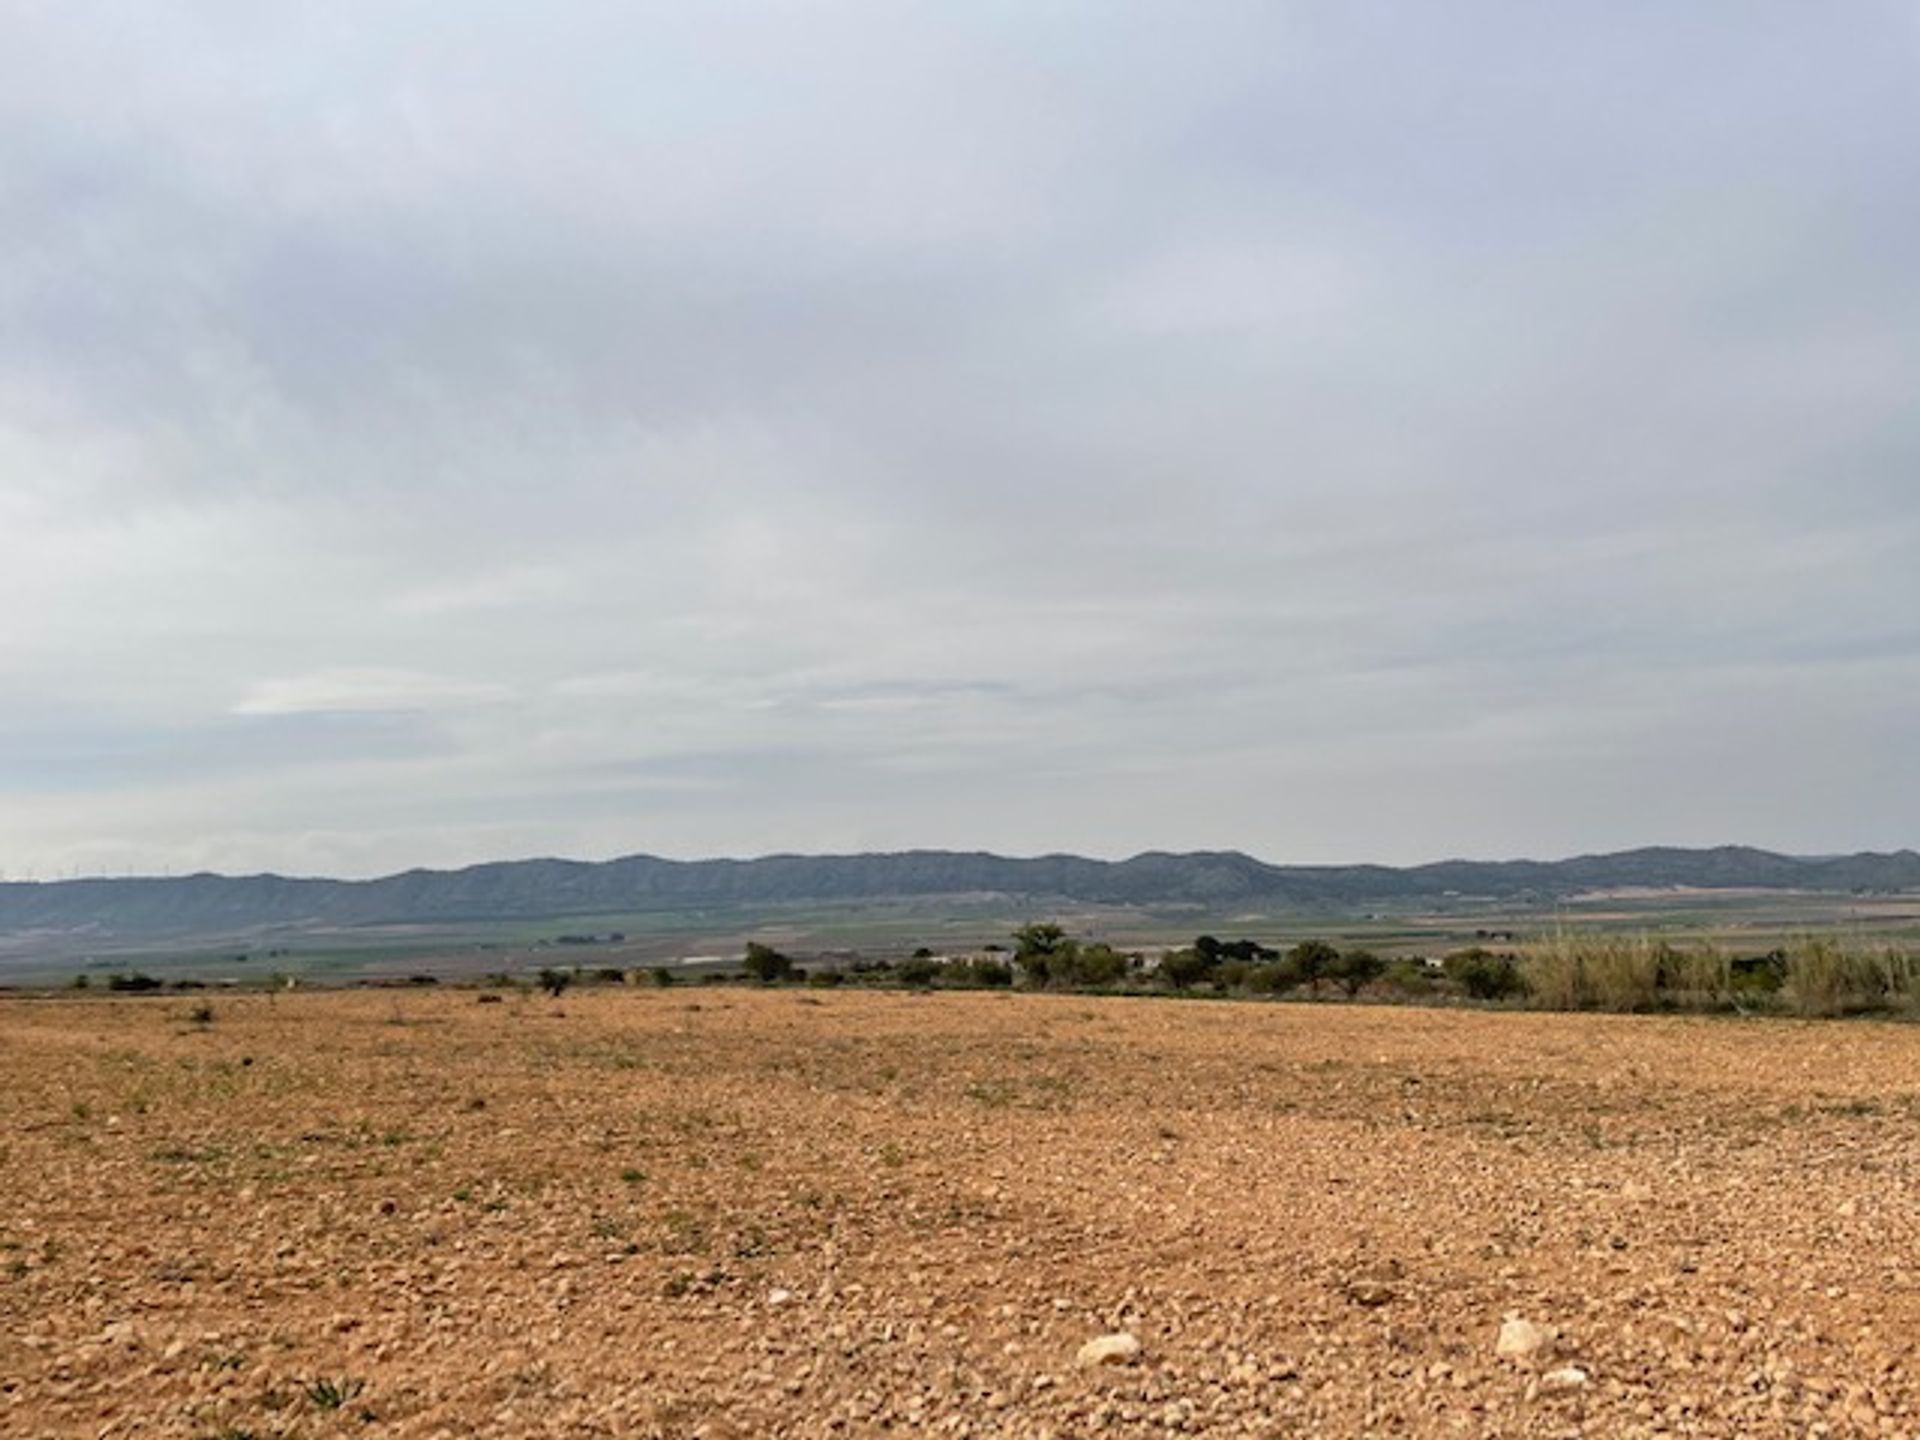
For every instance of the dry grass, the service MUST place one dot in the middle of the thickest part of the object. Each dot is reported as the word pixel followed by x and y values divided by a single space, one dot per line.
pixel 679 1213
pixel 1573 971
pixel 1828 977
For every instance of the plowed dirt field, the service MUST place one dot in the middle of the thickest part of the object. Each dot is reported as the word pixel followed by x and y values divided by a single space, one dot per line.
pixel 724 1212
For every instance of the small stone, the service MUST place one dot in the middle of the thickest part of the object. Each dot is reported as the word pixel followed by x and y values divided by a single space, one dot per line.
pixel 1120 1349
pixel 1519 1338
pixel 779 1297
pixel 1569 1377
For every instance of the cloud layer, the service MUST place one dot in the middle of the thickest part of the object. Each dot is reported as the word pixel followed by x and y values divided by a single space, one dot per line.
pixel 433 432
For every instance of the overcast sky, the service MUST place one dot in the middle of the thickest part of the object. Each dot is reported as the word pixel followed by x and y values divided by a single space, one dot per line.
pixel 440 430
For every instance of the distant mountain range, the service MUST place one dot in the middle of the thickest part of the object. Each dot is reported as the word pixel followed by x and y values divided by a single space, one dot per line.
pixel 147 909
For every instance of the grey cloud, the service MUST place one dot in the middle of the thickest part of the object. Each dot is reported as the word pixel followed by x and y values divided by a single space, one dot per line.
pixel 433 431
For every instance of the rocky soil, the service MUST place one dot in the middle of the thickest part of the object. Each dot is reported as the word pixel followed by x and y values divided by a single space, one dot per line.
pixel 727 1213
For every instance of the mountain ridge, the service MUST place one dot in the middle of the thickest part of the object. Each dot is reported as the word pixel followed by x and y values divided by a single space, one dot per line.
pixel 154 907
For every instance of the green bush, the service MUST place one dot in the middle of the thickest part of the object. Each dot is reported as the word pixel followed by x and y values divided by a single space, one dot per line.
pixel 1355 970
pixel 919 971
pixel 766 964
pixel 1483 974
pixel 1312 961
pixel 985 972
pixel 1182 969
pixel 1409 978
pixel 1273 979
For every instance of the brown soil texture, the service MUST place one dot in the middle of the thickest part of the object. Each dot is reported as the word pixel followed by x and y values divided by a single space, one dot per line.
pixel 724 1212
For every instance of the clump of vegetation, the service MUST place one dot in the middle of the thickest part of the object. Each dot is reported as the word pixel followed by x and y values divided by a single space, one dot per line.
pixel 331 1395
pixel 1354 970
pixel 1824 977
pixel 1484 975
pixel 766 964
pixel 918 972
pixel 133 981
pixel 1409 978
pixel 984 971
pixel 201 1015
pixel 555 982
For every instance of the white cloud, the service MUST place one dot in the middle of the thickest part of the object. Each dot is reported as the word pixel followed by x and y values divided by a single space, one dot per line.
pixel 349 691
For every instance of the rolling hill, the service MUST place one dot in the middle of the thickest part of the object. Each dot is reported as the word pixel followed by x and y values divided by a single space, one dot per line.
pixel 156 908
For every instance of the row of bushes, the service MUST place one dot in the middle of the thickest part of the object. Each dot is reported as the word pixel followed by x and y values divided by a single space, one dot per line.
pixel 1568 971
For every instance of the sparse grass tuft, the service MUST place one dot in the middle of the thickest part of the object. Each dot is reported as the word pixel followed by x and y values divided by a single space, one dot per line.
pixel 331 1395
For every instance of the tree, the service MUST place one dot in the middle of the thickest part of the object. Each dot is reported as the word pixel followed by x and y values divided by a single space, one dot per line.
pixel 766 964
pixel 1484 975
pixel 555 982
pixel 1311 960
pixel 1357 969
pixel 1182 968
pixel 1043 950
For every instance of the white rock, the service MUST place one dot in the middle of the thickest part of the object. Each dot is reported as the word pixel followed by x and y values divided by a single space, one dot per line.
pixel 1570 1377
pixel 1120 1349
pixel 1519 1338
pixel 779 1297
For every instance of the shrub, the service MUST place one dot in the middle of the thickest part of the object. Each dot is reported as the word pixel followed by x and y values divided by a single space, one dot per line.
pixel 766 964
pixel 1356 969
pixel 1183 968
pixel 919 971
pixel 1233 975
pixel 985 971
pixel 1042 950
pixel 1096 965
pixel 1408 977
pixel 825 979
pixel 1483 974
pixel 660 976
pixel 134 981
pixel 554 982
pixel 1273 979
pixel 1311 960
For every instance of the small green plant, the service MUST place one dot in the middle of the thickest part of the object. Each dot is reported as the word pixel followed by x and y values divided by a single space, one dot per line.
pixel 331 1395
pixel 632 1176
pixel 1408 977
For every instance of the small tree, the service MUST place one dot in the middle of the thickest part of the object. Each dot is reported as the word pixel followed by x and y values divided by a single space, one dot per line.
pixel 1043 951
pixel 1357 969
pixel 766 964
pixel 1311 961
pixel 1484 975
pixel 1184 968
pixel 555 982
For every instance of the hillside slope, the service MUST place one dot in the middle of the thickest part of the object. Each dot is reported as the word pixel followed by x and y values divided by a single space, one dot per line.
pixel 530 889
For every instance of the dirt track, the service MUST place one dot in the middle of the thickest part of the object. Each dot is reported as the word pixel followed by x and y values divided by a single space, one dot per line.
pixel 733 1213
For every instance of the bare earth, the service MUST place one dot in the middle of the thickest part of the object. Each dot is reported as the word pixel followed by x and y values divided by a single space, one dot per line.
pixel 732 1213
